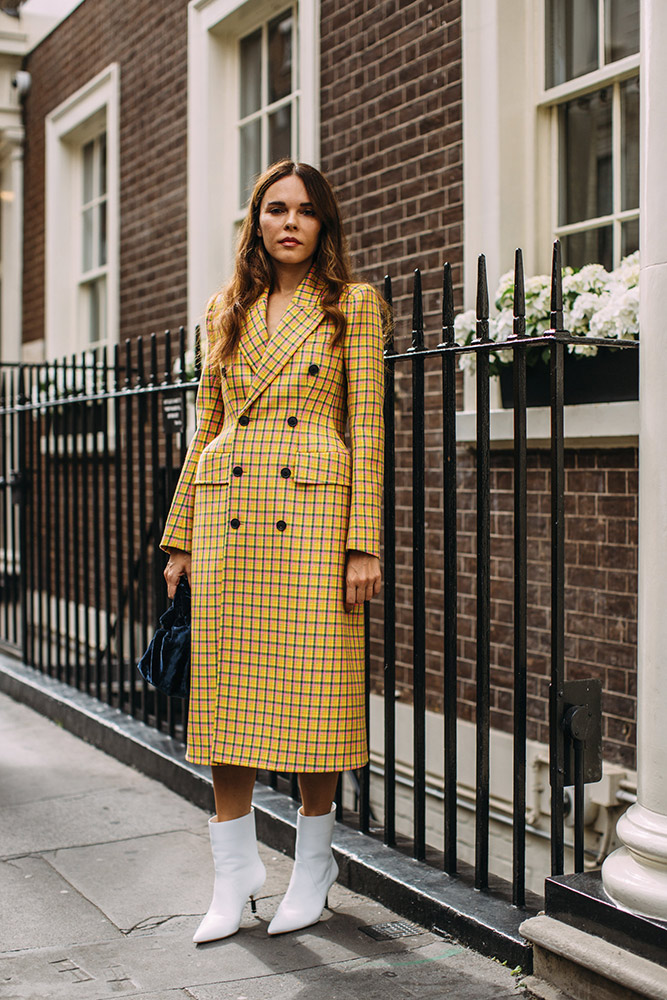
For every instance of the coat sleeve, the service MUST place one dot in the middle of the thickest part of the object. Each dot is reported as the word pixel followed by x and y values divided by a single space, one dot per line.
pixel 210 412
pixel 364 368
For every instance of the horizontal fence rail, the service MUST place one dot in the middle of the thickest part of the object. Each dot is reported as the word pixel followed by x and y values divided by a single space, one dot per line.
pixel 91 452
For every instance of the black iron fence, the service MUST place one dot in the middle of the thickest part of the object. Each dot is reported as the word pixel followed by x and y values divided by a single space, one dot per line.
pixel 91 450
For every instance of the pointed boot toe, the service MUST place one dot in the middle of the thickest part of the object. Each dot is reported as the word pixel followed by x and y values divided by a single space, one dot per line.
pixel 239 875
pixel 315 870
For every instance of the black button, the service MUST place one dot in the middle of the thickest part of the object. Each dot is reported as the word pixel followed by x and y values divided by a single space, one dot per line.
pixel 292 421
pixel 244 419
pixel 281 525
pixel 314 369
pixel 237 470
pixel 285 473
pixel 235 523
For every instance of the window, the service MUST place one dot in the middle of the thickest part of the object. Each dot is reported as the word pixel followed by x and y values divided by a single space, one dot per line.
pixel 262 56
pixel 82 215
pixel 268 99
pixel 592 93
pixel 93 281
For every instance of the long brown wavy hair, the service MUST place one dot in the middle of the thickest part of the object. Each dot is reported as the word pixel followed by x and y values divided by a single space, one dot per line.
pixel 253 270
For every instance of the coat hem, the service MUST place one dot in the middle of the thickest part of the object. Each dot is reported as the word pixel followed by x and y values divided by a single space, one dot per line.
pixel 284 766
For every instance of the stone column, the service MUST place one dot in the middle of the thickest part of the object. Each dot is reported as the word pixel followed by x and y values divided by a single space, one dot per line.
pixel 11 163
pixel 635 876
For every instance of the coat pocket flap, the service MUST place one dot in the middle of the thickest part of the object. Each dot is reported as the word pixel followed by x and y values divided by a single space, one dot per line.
pixel 213 467
pixel 323 467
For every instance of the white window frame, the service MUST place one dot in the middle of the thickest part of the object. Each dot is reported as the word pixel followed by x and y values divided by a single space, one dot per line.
pixel 509 188
pixel 265 109
pixel 549 100
pixel 97 273
pixel 90 110
pixel 215 28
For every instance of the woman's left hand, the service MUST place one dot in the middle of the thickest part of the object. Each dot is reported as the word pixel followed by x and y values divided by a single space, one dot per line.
pixel 362 578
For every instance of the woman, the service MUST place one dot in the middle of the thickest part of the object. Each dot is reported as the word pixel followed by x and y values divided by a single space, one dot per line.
pixel 277 525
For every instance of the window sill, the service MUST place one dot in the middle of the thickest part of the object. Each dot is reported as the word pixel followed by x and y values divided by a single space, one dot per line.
pixel 591 425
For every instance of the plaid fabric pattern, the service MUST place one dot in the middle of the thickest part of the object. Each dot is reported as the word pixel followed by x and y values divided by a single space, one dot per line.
pixel 269 500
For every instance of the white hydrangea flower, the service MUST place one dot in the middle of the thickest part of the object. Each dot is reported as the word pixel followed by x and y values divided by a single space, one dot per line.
pixel 619 317
pixel 464 326
pixel 578 316
pixel 505 291
pixel 504 325
pixel 627 271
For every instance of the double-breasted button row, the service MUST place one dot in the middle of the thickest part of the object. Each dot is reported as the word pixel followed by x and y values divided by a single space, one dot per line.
pixel 285 472
pixel 280 525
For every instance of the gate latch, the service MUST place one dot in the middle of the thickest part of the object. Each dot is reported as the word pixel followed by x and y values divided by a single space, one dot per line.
pixel 579 714
pixel 17 486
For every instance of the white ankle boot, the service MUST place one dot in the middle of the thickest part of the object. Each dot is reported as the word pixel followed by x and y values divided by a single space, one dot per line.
pixel 314 872
pixel 239 873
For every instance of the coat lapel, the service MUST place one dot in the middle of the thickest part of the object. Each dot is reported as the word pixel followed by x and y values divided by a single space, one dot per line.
pixel 301 317
pixel 254 338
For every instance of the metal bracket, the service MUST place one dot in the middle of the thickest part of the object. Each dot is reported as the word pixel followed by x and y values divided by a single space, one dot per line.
pixel 18 485
pixel 579 713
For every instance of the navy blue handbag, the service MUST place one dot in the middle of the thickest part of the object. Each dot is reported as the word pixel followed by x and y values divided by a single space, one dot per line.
pixel 166 662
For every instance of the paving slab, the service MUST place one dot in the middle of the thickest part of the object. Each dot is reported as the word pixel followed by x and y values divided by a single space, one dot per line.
pixel 37 904
pixel 96 817
pixel 31 778
pixel 106 875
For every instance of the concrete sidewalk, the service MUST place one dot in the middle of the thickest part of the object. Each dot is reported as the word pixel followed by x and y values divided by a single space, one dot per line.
pixel 104 876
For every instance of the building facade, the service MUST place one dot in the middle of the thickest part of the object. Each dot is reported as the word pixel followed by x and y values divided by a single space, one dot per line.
pixel 447 129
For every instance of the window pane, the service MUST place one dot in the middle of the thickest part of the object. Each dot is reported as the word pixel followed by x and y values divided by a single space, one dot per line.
pixel 630 144
pixel 280 57
pixel 88 156
pixel 88 239
pixel 102 234
pixel 280 134
pixel 571 39
pixel 250 158
pixel 594 246
pixel 251 73
pixel 103 164
pixel 585 152
pixel 621 29
pixel 629 237
pixel 96 294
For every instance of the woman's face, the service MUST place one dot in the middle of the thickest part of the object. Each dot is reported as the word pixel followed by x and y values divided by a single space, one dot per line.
pixel 288 225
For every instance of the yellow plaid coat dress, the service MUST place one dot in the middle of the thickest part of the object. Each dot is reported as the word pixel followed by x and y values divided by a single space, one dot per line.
pixel 268 501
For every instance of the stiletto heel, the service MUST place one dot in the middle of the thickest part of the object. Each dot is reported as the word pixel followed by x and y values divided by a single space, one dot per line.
pixel 253 904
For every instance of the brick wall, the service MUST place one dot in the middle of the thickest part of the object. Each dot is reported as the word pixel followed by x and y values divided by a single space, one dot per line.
pixel 392 138
pixel 149 41
pixel 600 595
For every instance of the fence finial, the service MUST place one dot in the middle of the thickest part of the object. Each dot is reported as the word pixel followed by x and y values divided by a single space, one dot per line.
pixel 482 331
pixel 556 289
pixel 417 312
pixel 140 362
pixel 447 304
pixel 389 299
pixel 519 322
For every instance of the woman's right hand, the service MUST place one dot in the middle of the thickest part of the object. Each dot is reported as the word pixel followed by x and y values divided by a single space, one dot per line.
pixel 179 564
